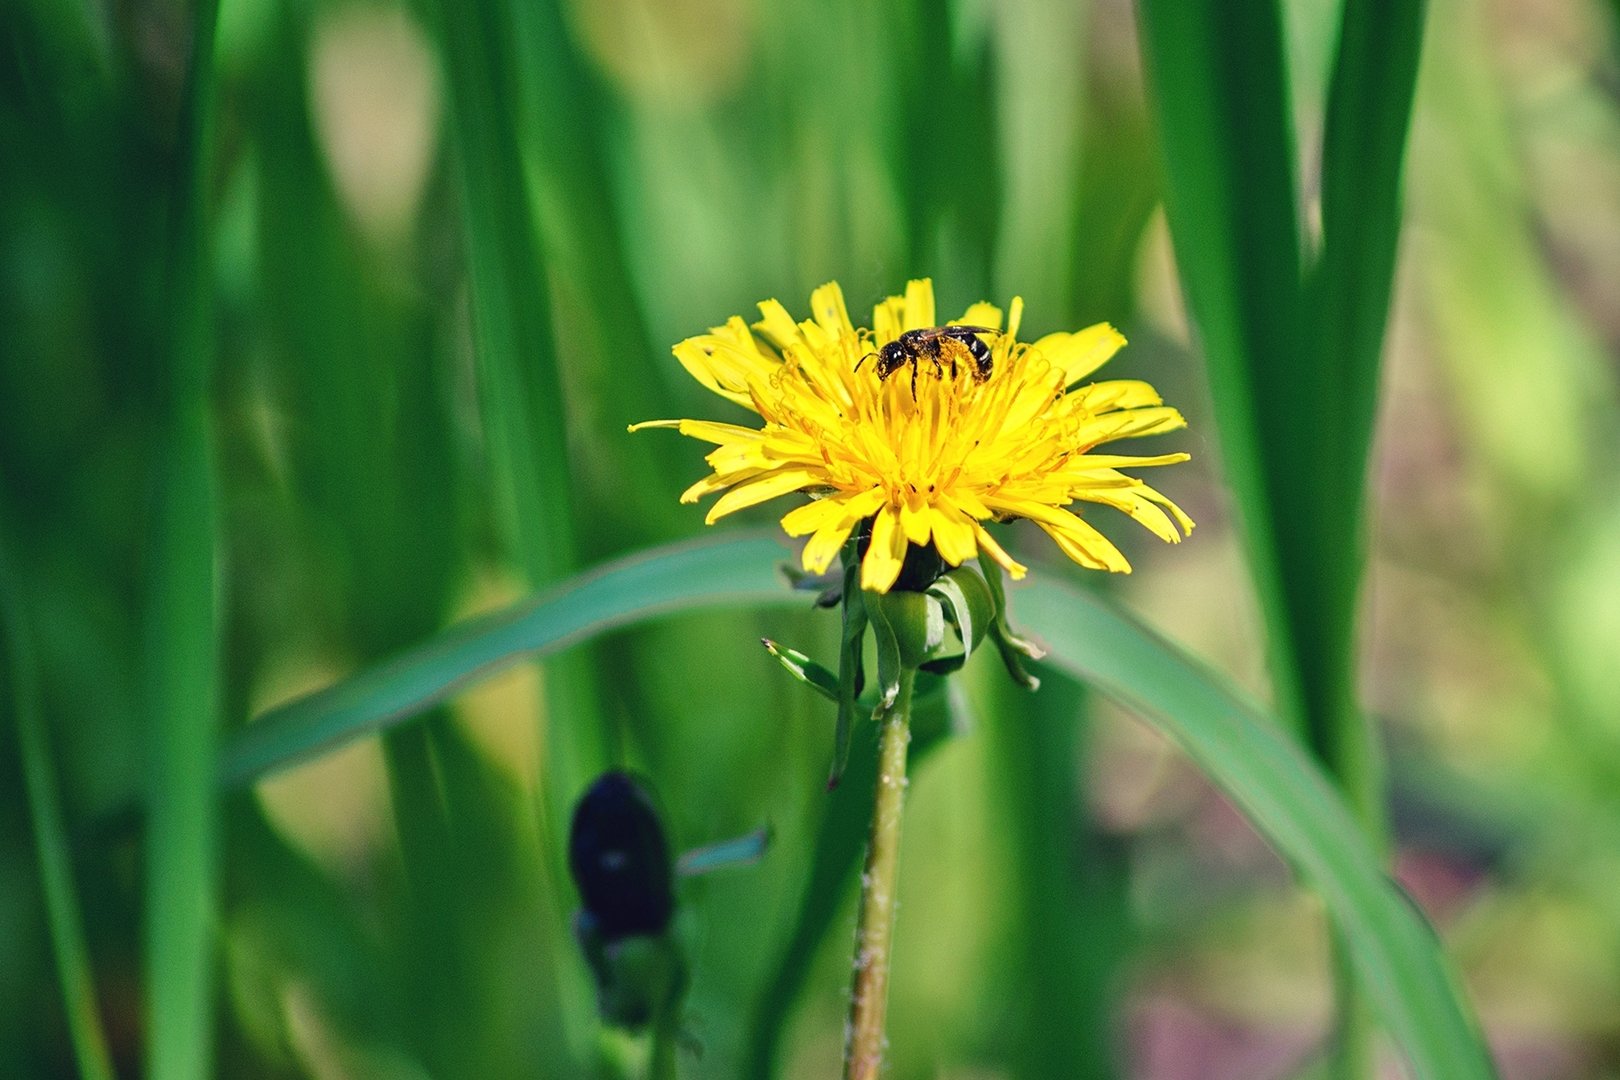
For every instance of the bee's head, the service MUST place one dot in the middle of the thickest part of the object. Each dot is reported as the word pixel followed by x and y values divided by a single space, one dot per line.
pixel 890 357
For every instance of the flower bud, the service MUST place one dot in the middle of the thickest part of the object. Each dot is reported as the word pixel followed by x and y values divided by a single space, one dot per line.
pixel 917 621
pixel 620 859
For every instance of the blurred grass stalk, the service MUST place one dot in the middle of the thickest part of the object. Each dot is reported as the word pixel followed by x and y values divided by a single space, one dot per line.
pixel 181 622
pixel 62 910
pixel 1070 885
pixel 521 400
pixel 1293 341
pixel 562 111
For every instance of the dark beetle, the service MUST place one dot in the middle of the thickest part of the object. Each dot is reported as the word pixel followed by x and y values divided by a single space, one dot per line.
pixel 929 343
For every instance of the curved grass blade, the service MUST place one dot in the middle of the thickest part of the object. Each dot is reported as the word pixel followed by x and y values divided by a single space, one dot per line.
pixel 1242 749
pixel 1247 754
pixel 738 569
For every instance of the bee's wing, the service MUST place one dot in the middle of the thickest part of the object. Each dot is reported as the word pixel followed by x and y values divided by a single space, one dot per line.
pixel 961 329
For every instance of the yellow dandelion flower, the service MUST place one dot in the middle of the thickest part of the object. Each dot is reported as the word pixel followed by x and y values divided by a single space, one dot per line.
pixel 929 453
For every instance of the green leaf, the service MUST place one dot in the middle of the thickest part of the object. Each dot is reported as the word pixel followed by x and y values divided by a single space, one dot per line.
pixel 520 391
pixel 1369 109
pixel 1288 800
pixel 1072 937
pixel 1293 345
pixel 584 219
pixel 1346 304
pixel 734 569
pixel 182 858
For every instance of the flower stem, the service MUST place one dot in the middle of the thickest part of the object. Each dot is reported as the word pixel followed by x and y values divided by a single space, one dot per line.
pixel 664 1038
pixel 863 1055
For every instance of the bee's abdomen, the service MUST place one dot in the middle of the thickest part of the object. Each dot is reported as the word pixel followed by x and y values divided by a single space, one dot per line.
pixel 980 352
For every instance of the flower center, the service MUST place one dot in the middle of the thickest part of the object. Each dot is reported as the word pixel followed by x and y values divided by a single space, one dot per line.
pixel 917 433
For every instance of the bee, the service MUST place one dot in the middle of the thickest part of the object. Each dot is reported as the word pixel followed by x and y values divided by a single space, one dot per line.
pixel 915 346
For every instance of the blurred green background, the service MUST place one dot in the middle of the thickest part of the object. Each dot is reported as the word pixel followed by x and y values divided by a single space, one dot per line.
pixel 305 362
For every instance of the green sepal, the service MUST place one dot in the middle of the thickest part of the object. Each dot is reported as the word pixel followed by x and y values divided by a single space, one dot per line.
pixel 804 669
pixel 640 980
pixel 969 603
pixel 1013 647
pixel 917 626
pixel 850 676
pixel 888 651
pixel 945 665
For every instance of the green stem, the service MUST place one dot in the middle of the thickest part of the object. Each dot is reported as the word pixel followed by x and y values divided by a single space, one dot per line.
pixel 863 1056
pixel 665 1040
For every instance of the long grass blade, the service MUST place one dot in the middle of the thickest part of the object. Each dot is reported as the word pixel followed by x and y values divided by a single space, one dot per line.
pixel 1347 304
pixel 521 393
pixel 1369 110
pixel 1294 354
pixel 520 390
pixel 1220 91
pixel 181 633
pixel 618 364
pixel 181 839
